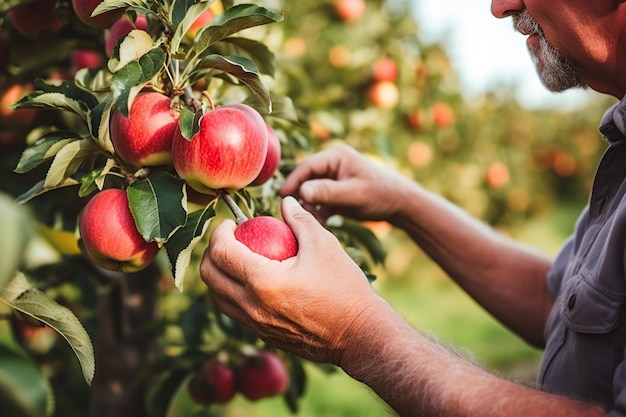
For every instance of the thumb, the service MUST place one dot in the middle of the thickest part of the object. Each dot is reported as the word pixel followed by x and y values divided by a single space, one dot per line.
pixel 302 223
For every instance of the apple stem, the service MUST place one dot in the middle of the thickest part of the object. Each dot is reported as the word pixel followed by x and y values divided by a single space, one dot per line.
pixel 210 100
pixel 239 216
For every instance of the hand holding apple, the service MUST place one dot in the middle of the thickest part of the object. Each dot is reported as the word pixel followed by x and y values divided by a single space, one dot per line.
pixel 309 304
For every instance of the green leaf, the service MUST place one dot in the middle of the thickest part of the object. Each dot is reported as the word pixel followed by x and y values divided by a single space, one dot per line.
pixel 242 69
pixel 158 205
pixel 233 20
pixel 99 124
pixel 16 233
pixel 67 161
pixel 282 108
pixel 40 188
pixel 107 5
pixel 24 389
pixel 181 244
pixel 88 182
pixel 189 123
pixel 22 296
pixel 68 89
pixel 43 149
pixel 56 101
pixel 133 76
pixel 184 13
pixel 257 51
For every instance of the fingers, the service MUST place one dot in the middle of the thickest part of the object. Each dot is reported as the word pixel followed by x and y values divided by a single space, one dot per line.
pixel 321 165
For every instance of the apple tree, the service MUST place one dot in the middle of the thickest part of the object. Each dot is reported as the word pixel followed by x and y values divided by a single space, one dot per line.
pixel 130 128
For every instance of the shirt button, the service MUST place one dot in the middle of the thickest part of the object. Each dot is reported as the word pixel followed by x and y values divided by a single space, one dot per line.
pixel 571 302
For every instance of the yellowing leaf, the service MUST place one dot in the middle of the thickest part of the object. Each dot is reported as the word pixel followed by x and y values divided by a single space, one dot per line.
pixel 133 46
pixel 22 296
pixel 62 240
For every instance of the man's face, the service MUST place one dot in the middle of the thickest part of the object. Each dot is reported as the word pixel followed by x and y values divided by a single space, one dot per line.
pixel 556 72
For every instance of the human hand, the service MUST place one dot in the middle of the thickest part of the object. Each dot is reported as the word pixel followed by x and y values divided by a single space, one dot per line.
pixel 309 304
pixel 342 181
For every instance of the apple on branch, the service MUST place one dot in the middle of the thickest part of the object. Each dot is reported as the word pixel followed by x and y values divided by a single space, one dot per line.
pixel 272 158
pixel 84 10
pixel 121 28
pixel 227 152
pixel 214 384
pixel 262 375
pixel 144 138
pixel 36 18
pixel 109 233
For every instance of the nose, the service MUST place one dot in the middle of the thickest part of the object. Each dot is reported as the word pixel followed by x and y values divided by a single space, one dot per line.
pixel 504 8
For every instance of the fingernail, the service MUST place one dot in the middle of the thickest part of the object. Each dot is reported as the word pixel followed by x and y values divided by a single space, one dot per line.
pixel 291 202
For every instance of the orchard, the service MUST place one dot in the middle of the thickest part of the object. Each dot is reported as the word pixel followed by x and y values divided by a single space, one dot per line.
pixel 130 128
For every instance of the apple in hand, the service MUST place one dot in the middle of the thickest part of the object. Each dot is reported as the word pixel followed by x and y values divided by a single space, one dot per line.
pixel 36 18
pixel 84 9
pixel 213 384
pixel 144 138
pixel 262 375
pixel 267 236
pixel 272 158
pixel 110 236
pixel 227 152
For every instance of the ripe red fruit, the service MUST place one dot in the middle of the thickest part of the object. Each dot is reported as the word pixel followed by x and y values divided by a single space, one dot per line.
pixel 385 69
pixel 384 94
pixel 350 10
pixel 86 58
pixel 263 375
pixel 84 9
pixel 121 28
pixel 272 158
pixel 110 236
pixel 227 152
pixel 214 384
pixel 36 18
pixel 202 20
pixel 11 94
pixel 443 114
pixel 268 236
pixel 144 138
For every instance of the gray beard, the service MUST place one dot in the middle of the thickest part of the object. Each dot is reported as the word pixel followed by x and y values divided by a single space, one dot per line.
pixel 556 72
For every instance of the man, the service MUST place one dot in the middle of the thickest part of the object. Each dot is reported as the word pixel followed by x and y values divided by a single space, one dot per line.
pixel 319 305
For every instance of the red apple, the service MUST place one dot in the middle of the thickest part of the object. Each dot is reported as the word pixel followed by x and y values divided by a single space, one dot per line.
pixel 214 384
pixel 10 95
pixel 86 58
pixel 384 94
pixel 109 233
pixel 262 375
pixel 202 20
pixel 84 9
pixel 385 69
pixel 36 18
pixel 121 28
pixel 144 138
pixel 267 236
pixel 350 10
pixel 443 114
pixel 272 159
pixel 227 152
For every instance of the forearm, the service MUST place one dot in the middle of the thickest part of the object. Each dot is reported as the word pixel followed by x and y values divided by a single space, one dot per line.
pixel 417 376
pixel 506 278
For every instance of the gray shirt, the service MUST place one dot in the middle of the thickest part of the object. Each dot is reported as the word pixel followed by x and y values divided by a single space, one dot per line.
pixel 586 331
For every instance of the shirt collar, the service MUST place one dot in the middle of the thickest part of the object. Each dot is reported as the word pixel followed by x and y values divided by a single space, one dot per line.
pixel 613 126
